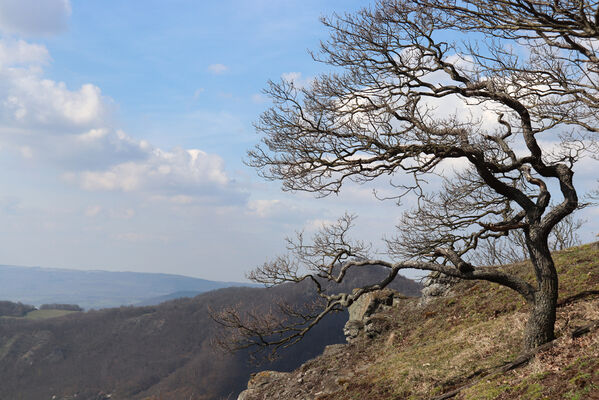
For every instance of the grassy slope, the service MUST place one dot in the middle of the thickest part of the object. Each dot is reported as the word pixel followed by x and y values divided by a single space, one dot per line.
pixel 44 314
pixel 41 314
pixel 455 341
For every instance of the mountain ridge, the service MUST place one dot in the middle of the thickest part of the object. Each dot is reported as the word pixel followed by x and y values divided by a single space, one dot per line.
pixel 163 352
pixel 94 289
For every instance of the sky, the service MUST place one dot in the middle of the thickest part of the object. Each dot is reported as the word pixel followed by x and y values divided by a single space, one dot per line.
pixel 124 126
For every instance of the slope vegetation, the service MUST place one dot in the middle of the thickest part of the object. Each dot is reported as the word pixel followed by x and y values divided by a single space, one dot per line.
pixel 465 346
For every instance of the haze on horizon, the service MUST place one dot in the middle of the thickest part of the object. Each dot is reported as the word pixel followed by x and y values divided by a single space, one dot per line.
pixel 123 131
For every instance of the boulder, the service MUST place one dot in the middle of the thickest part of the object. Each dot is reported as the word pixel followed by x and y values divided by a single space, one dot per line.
pixel 437 285
pixel 362 310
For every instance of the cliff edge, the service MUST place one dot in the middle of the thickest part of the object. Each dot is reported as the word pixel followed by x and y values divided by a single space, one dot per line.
pixel 464 344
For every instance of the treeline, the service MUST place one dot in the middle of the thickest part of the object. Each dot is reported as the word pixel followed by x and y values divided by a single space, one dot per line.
pixel 18 309
pixel 66 307
pixel 10 309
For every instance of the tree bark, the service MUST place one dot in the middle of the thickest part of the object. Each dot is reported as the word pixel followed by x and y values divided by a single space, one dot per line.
pixel 541 322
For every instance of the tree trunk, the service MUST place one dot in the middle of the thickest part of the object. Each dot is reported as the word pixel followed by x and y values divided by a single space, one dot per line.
pixel 541 322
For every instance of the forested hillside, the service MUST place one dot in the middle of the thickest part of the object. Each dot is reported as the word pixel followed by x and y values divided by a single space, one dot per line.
pixel 139 352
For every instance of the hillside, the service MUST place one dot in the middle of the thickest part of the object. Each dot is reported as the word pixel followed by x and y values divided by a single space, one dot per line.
pixel 464 346
pixel 162 352
pixel 95 289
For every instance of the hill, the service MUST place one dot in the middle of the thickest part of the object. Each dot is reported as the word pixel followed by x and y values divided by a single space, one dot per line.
pixel 95 289
pixel 152 301
pixel 463 346
pixel 160 352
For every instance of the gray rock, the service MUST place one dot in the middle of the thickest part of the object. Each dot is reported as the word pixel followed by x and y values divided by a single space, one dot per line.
pixel 361 311
pixel 352 329
pixel 437 285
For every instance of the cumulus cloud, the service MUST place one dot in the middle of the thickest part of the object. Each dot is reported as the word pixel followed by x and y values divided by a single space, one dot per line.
pixel 317 224
pixel 17 52
pixel 28 100
pixel 45 120
pixel 265 208
pixel 176 170
pixel 218 69
pixel 34 17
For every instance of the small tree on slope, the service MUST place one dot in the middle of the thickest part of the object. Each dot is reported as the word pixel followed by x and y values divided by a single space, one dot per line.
pixel 531 65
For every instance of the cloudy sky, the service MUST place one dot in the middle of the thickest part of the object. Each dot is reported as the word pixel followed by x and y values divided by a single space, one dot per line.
pixel 123 128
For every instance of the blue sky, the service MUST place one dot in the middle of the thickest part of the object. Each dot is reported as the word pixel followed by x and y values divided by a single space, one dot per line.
pixel 125 124
pixel 123 128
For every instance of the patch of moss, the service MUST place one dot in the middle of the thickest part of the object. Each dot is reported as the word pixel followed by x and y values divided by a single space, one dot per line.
pixel 487 390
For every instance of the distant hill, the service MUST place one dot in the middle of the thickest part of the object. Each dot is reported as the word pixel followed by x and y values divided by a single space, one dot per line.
pixel 95 289
pixel 167 297
pixel 161 352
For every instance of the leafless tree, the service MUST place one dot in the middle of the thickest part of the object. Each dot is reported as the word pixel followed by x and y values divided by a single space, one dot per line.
pixel 512 248
pixel 398 68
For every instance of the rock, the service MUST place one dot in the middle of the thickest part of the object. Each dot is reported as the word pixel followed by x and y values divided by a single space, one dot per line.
pixel 246 394
pixel 374 326
pixel 437 285
pixel 352 329
pixel 371 303
pixel 362 310
pixel 263 378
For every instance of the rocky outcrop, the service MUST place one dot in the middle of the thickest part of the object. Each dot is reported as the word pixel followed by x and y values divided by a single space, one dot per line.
pixel 362 314
pixel 260 380
pixel 437 285
pixel 315 379
pixel 332 371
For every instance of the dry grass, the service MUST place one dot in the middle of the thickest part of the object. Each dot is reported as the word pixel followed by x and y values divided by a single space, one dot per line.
pixel 454 341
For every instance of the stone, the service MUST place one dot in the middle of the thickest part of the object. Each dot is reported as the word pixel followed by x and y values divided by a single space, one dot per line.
pixel 361 310
pixel 246 394
pixel 437 285
pixel 352 329
pixel 263 378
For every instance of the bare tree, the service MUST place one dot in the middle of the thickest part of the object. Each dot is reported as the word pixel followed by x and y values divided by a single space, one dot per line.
pixel 512 247
pixel 384 112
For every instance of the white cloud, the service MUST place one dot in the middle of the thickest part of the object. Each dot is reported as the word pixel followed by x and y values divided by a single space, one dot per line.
pixel 186 171
pixel 34 17
pixel 93 211
pixel 17 52
pixel 317 224
pixel 27 99
pixel 218 69
pixel 297 79
pixel 71 130
pixel 264 208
